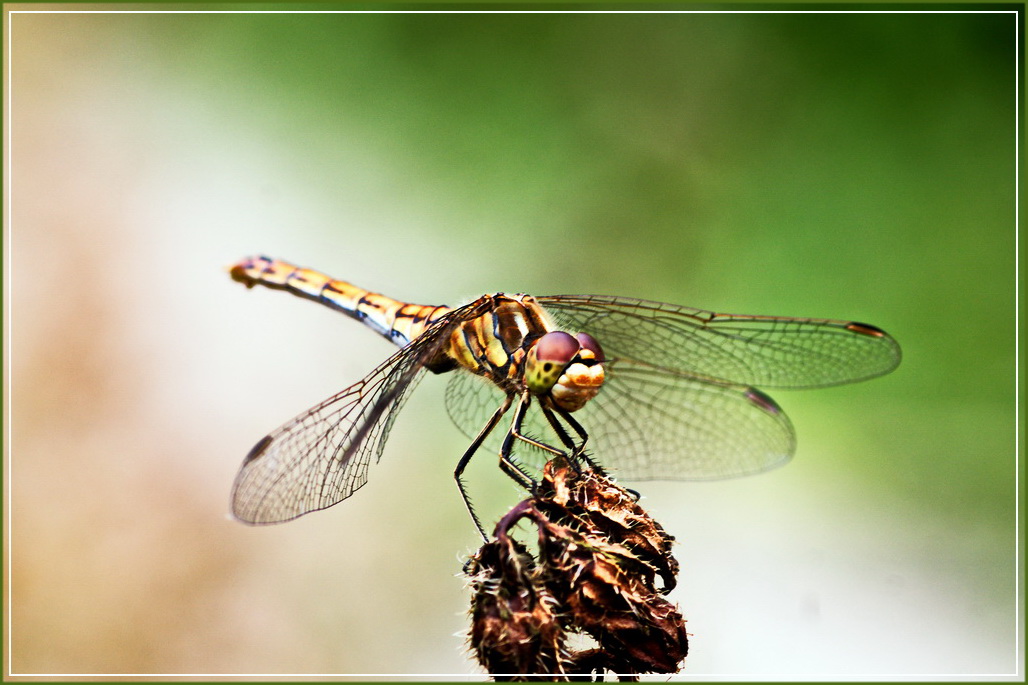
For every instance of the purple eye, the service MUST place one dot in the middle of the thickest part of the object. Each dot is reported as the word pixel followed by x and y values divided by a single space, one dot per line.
pixel 589 343
pixel 557 346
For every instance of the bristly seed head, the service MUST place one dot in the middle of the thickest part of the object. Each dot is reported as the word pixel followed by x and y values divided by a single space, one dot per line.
pixel 594 572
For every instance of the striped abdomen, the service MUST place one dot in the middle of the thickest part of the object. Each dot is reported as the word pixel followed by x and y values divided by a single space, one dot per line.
pixel 493 343
pixel 399 321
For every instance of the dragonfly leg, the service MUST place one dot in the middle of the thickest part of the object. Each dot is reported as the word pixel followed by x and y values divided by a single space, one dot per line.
pixel 579 450
pixel 568 441
pixel 462 464
pixel 507 464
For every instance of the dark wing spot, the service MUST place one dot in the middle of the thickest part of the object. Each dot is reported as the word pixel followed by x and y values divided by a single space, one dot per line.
pixel 865 329
pixel 763 401
pixel 257 450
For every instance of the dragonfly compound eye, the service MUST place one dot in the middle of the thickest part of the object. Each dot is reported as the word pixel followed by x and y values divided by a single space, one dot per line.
pixel 547 358
pixel 591 350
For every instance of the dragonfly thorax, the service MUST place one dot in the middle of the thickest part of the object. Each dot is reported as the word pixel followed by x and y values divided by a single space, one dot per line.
pixel 514 344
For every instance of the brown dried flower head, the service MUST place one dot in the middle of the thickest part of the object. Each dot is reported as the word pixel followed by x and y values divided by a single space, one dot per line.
pixel 594 572
pixel 514 628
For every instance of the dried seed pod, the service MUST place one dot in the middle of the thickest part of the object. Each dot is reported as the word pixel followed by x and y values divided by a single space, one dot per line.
pixel 608 594
pixel 598 555
pixel 514 629
pixel 592 503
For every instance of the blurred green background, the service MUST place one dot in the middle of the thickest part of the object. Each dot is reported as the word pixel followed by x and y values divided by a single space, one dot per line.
pixel 855 166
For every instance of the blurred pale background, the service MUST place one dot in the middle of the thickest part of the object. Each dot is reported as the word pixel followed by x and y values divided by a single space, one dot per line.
pixel 852 166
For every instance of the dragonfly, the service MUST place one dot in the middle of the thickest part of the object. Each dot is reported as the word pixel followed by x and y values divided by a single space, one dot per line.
pixel 640 390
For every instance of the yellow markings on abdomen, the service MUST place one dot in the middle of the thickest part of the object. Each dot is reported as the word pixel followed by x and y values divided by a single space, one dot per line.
pixel 399 321
pixel 492 344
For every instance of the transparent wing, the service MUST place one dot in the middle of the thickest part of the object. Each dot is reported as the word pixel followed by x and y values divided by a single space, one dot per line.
pixel 471 400
pixel 322 456
pixel 649 423
pixel 764 351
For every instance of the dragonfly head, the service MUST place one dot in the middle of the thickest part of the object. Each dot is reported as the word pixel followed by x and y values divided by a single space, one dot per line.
pixel 567 367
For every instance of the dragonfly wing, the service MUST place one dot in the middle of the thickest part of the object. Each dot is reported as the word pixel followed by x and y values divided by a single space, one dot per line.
pixel 321 457
pixel 471 400
pixel 649 423
pixel 748 350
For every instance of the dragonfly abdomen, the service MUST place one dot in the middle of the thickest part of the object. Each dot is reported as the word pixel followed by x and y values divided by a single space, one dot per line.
pixel 399 321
